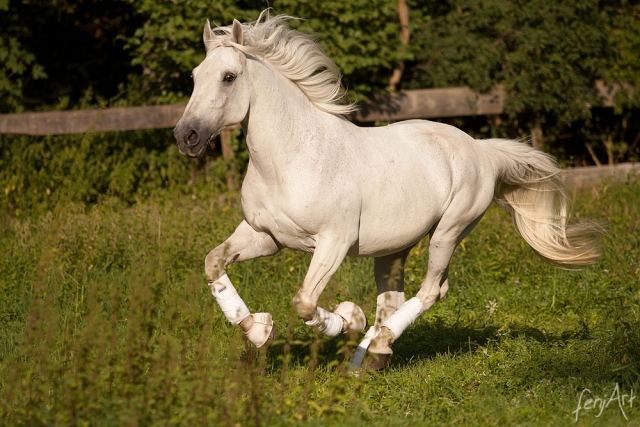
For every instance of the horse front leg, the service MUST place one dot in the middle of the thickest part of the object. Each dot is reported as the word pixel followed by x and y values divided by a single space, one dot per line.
pixel 244 244
pixel 347 317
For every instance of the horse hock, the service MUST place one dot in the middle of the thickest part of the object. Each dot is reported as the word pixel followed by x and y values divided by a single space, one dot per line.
pixel 257 328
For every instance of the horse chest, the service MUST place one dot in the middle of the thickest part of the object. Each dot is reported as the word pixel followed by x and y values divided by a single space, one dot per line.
pixel 264 211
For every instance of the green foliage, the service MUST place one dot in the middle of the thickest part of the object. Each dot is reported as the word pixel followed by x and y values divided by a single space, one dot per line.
pixel 361 36
pixel 38 172
pixel 17 64
pixel 623 67
pixel 53 51
pixel 106 319
pixel 547 55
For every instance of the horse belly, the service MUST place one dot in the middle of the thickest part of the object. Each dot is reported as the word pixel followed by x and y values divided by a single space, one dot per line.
pixel 406 189
pixel 393 234
pixel 399 214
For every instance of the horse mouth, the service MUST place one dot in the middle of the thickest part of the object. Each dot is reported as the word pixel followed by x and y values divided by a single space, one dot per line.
pixel 194 152
pixel 200 149
pixel 191 144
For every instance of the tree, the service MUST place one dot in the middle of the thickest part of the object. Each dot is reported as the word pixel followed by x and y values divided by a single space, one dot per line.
pixel 362 36
pixel 547 55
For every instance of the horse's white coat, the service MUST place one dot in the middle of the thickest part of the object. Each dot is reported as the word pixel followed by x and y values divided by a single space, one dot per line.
pixel 317 183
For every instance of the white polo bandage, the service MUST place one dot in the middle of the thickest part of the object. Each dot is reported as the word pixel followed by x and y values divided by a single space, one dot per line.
pixel 328 323
pixel 404 316
pixel 233 307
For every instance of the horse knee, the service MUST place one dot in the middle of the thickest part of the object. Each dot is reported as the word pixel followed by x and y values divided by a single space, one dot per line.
pixel 214 264
pixel 303 307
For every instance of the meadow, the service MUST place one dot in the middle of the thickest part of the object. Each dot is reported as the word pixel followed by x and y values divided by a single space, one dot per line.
pixel 106 320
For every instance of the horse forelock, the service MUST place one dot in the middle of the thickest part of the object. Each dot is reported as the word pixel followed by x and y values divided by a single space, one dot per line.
pixel 293 54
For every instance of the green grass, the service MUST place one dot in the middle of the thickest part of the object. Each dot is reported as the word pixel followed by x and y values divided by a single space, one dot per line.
pixel 106 319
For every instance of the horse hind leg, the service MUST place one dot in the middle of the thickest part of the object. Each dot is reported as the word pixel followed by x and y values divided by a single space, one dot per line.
pixel 389 275
pixel 442 243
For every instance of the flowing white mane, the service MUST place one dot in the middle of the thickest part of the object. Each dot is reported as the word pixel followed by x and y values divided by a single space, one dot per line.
pixel 293 54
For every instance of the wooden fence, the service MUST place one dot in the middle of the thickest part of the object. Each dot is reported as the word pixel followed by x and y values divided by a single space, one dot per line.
pixel 411 104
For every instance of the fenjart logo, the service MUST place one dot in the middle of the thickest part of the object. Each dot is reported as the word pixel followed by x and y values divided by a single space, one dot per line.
pixel 587 402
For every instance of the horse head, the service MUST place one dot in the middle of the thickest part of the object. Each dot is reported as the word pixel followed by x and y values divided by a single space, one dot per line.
pixel 221 92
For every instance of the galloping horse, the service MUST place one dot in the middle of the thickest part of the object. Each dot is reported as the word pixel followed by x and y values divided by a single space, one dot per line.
pixel 318 183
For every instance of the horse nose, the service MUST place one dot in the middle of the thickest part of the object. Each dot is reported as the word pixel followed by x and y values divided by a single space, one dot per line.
pixel 191 138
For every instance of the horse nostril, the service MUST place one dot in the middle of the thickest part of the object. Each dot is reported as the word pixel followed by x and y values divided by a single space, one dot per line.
pixel 192 137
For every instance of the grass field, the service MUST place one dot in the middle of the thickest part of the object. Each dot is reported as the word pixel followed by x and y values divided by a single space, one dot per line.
pixel 106 320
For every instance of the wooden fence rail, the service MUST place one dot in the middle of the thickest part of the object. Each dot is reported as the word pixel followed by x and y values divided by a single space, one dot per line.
pixel 410 104
pixel 83 121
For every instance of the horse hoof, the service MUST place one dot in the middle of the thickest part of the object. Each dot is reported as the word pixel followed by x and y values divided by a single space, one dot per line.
pixel 263 331
pixel 376 361
pixel 353 315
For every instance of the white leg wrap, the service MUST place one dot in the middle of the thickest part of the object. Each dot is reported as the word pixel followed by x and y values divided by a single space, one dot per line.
pixel 404 316
pixel 262 330
pixel 233 307
pixel 361 350
pixel 387 303
pixel 326 322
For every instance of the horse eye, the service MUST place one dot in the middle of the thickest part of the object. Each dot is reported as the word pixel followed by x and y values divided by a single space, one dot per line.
pixel 229 77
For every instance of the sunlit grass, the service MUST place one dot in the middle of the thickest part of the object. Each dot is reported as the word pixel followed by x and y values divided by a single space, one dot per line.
pixel 106 319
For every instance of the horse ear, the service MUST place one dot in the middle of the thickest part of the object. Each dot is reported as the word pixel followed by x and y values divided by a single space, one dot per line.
pixel 237 32
pixel 207 35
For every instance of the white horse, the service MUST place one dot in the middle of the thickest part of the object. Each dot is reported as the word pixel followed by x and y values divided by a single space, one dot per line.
pixel 318 183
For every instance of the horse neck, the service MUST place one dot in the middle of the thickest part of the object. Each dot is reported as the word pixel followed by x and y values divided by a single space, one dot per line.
pixel 280 116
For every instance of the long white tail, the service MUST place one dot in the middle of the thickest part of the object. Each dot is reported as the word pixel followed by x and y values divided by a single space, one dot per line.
pixel 529 188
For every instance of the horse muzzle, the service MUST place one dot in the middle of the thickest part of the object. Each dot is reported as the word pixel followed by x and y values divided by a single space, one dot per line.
pixel 192 138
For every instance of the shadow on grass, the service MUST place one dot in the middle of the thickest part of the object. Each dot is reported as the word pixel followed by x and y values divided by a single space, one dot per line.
pixel 439 338
pixel 417 343
pixel 577 354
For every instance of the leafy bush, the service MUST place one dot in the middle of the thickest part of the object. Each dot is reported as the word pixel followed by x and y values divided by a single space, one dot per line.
pixel 38 172
pixel 548 56
pixel 361 36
